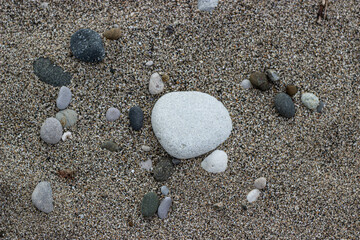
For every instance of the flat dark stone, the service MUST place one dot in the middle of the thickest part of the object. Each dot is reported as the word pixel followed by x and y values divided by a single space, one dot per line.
pixel 136 116
pixel 149 204
pixel 50 73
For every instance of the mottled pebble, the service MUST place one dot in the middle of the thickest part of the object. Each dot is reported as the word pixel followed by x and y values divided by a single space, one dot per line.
pixel 272 75
pixel 164 207
pixel 146 165
pixel 207 5
pixel 163 170
pixel 87 46
pixel 253 195
pixel 260 183
pixel 112 114
pixel 246 84
pixel 136 117
pixel 42 197
pixel 310 100
pixel 50 73
pixel 260 81
pixel 319 108
pixel 51 131
pixel 145 148
pixel 216 162
pixel 149 204
pixel 67 117
pixel 110 145
pixel 291 90
pixel 284 105
pixel 112 34
pixel 165 77
pixel 164 190
pixel 156 84
pixel 64 98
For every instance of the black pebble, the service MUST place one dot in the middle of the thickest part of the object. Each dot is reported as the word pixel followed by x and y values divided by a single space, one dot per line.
pixel 136 116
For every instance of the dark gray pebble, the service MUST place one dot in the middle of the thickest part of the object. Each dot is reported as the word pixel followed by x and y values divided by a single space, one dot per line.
pixel 149 204
pixel 320 107
pixel 50 73
pixel 163 170
pixel 87 46
pixel 136 116
pixel 284 105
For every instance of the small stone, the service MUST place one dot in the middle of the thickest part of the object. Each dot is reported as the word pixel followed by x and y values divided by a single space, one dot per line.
pixel 284 105
pixel 87 46
pixel 260 183
pixel 207 5
pixel 164 190
pixel 136 116
pixel 176 161
pixel 163 170
pixel 272 75
pixel 146 165
pixel 165 77
pixel 253 195
pixel 170 29
pixel 67 117
pixel 291 90
pixel 310 100
pixel 112 34
pixel 145 148
pixel 110 145
pixel 66 135
pixel 246 84
pixel 216 162
pixel 260 81
pixel 319 109
pixel 156 84
pixel 42 197
pixel 149 204
pixel 44 5
pixel 112 114
pixel 219 205
pixel 64 98
pixel 149 63
pixel 164 207
pixel 51 131
pixel 50 73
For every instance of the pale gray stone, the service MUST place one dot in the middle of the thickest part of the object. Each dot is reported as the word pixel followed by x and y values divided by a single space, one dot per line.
pixel 51 131
pixel 260 183
pixel 246 84
pixel 253 195
pixel 164 190
pixel 207 5
pixel 156 84
pixel 189 124
pixel 272 75
pixel 67 117
pixel 42 197
pixel 112 114
pixel 64 98
pixel 164 207
pixel 310 100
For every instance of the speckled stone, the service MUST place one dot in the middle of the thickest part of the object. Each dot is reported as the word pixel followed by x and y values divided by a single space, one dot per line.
pixel 156 84
pixel 50 73
pixel 260 183
pixel 207 5
pixel 284 105
pixel 67 117
pixel 87 46
pixel 51 131
pixel 42 197
pixel 272 75
pixel 291 90
pixel 310 100
pixel 112 114
pixel 163 170
pixel 110 145
pixel 149 204
pixel 112 34
pixel 259 81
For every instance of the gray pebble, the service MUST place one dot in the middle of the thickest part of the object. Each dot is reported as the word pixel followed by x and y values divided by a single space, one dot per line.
pixel 284 105
pixel 145 148
pixel 110 145
pixel 50 73
pixel 149 204
pixel 87 46
pixel 51 131
pixel 260 183
pixel 164 190
pixel 112 114
pixel 64 98
pixel 42 197
pixel 176 161
pixel 320 107
pixel 164 207
pixel 136 116
pixel 163 170
pixel 272 75
pixel 259 81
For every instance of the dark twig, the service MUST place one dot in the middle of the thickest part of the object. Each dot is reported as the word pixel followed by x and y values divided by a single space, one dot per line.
pixel 322 10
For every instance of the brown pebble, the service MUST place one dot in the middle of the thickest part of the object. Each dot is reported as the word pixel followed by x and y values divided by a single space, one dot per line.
pixel 291 90
pixel 67 173
pixel 113 34
pixel 165 77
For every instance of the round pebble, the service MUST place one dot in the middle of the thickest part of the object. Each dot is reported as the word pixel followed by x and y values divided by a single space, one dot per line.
pixel 67 117
pixel 163 170
pixel 64 98
pixel 87 46
pixel 145 148
pixel 310 100
pixel 253 195
pixel 284 105
pixel 149 204
pixel 51 131
pixel 260 183
pixel 165 77
pixel 216 162
pixel 164 190
pixel 156 84
pixel 42 197
pixel 246 84
pixel 136 117
pixel 112 114
pixel 259 81
pixel 164 207
pixel 112 34
pixel 291 90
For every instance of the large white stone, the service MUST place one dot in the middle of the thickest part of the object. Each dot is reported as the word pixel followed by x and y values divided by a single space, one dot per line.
pixel 216 162
pixel 189 124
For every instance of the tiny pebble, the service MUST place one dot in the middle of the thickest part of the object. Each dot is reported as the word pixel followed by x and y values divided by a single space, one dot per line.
pixel 310 100
pixel 260 183
pixel 176 161
pixel 291 90
pixel 319 109
pixel 165 77
pixel 147 165
pixel 219 205
pixel 112 114
pixel 246 84
pixel 44 5
pixel 164 190
pixel 66 135
pixel 145 148
pixel 113 34
pixel 149 63
pixel 272 75
pixel 156 84
pixel 253 195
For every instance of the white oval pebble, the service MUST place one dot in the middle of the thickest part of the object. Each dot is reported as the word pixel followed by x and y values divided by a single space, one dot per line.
pixel 164 190
pixel 42 197
pixel 64 98
pixel 164 207
pixel 149 63
pixel 156 84
pixel 246 84
pixel 260 183
pixel 112 114
pixel 51 131
pixel 253 195
pixel 310 100
pixel 216 162
pixel 145 148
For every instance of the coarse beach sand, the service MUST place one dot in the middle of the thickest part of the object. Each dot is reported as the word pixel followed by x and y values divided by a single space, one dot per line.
pixel 311 161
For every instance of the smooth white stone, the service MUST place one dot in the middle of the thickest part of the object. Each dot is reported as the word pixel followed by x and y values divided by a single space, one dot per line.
pixel 216 162
pixel 253 195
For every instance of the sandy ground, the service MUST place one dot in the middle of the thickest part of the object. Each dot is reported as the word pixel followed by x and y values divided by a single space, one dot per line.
pixel 311 161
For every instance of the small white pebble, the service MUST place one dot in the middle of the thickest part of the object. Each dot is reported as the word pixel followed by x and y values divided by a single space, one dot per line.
pixel 246 84
pixel 149 63
pixel 66 135
pixel 132 170
pixel 260 183
pixel 253 195
pixel 145 148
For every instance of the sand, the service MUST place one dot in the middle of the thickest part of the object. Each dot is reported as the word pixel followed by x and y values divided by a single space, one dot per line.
pixel 311 161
